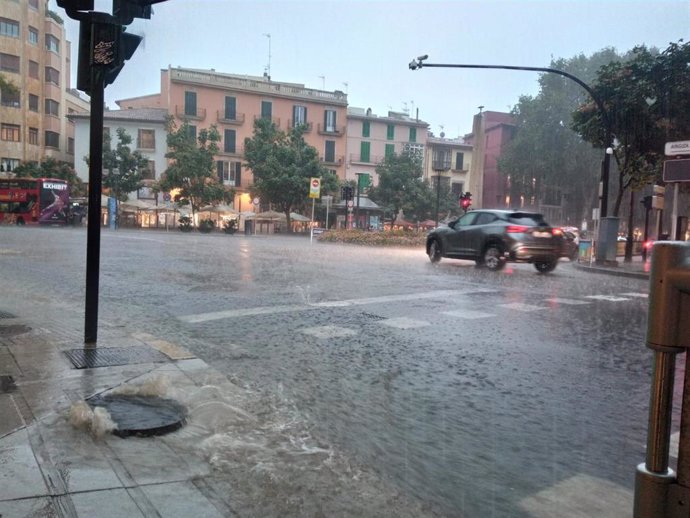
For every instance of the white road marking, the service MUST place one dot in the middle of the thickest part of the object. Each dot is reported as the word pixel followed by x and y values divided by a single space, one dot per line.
pixel 118 236
pixel 519 306
pixel 570 302
pixel 467 313
pixel 269 310
pixel 610 298
pixel 641 295
pixel 404 323
pixel 328 331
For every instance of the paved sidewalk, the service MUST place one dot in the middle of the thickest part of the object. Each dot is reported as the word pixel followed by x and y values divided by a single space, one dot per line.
pixel 636 268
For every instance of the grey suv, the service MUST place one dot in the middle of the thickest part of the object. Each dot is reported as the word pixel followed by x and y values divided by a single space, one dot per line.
pixel 492 237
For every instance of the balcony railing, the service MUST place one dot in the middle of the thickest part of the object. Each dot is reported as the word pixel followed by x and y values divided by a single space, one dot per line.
pixel 238 120
pixel 440 165
pixel 239 150
pixel 307 125
pixel 182 113
pixel 336 160
pixel 332 130
pixel 356 158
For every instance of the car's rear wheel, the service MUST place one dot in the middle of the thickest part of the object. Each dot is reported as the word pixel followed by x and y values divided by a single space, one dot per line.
pixel 435 253
pixel 545 266
pixel 493 258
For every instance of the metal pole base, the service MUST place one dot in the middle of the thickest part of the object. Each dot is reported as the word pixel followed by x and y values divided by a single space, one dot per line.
pixel 652 492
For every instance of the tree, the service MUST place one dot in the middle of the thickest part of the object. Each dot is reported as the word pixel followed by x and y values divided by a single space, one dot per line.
pixel 646 100
pixel 192 170
pixel 52 168
pixel 282 164
pixel 8 86
pixel 547 162
pixel 401 186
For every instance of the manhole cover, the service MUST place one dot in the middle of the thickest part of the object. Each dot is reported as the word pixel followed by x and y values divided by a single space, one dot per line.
pixel 110 356
pixel 7 384
pixel 5 314
pixel 13 330
pixel 141 415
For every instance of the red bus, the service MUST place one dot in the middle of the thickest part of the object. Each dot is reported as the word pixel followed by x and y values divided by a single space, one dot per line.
pixel 33 201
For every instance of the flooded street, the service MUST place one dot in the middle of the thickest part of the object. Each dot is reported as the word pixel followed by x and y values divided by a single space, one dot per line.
pixel 363 375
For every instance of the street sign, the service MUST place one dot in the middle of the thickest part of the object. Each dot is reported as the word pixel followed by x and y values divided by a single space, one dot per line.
pixel 677 170
pixel 681 147
pixel 315 188
pixel 256 201
pixel 166 196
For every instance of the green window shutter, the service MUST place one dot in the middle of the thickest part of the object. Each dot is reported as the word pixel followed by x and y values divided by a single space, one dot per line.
pixel 413 134
pixel 364 149
pixel 230 108
pixel 390 134
pixel 390 150
pixel 459 159
pixel 192 131
pixel 190 103
pixel 330 151
pixel 229 141
pixel 266 109
pixel 365 129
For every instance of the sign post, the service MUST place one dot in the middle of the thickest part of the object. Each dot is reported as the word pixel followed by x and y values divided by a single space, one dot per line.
pixel 314 192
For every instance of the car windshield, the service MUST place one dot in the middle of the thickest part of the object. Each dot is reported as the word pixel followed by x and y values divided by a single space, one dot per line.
pixel 254 230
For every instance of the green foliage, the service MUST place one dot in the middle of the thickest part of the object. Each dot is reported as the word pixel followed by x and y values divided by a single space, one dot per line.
pixel 647 101
pixel 123 166
pixel 206 225
pixel 185 224
pixel 51 168
pixel 404 238
pixel 282 164
pixel 7 85
pixel 192 167
pixel 548 162
pixel 402 187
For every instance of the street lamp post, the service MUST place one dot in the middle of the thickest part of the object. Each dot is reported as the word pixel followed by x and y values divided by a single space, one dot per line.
pixel 603 242
pixel 438 193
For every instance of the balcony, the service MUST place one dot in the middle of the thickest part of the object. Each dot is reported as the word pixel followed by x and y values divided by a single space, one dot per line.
pixel 239 151
pixel 237 121
pixel 336 160
pixel 441 164
pixel 182 113
pixel 308 126
pixel 337 131
pixel 356 158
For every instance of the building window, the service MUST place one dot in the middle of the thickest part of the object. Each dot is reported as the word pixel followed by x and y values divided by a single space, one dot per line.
pixel 10 99
pixel 10 132
pixel 229 141
pixel 52 43
pixel 70 145
pixel 33 35
pixel 329 121
pixel 52 76
pixel 330 152
pixel 146 139
pixel 390 150
pixel 366 128
pixel 458 189
pixel 299 115
pixel 9 63
pixel 413 134
pixel 9 28
pixel 52 107
pixel 33 136
pixel 33 4
pixel 266 109
pixel 33 69
pixel 52 139
pixel 191 131
pixel 190 103
pixel 9 164
pixel 364 151
pixel 149 172
pixel 390 132
pixel 229 172
pixel 459 159
pixel 230 108
pixel 416 150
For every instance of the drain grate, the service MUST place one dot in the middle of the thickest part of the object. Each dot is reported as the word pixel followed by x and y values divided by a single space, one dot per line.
pixel 13 330
pixel 372 316
pixel 5 314
pixel 7 384
pixel 111 356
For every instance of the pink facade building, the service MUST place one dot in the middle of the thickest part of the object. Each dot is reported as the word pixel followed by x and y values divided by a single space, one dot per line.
pixel 232 103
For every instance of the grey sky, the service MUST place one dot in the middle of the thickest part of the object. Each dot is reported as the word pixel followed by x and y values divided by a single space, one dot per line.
pixel 368 45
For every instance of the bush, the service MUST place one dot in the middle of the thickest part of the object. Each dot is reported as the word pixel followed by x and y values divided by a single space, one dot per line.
pixel 385 238
pixel 185 224
pixel 230 226
pixel 206 225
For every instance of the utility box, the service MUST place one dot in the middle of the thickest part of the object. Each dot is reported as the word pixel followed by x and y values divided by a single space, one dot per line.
pixel 248 227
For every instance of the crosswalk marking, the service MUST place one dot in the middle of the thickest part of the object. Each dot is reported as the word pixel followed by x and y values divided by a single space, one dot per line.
pixel 329 331
pixel 641 295
pixel 570 302
pixel 467 313
pixel 404 323
pixel 519 306
pixel 610 298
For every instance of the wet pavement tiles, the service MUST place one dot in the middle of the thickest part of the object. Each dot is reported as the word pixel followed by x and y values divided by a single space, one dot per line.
pixel 20 476
pixel 329 331
pixel 405 323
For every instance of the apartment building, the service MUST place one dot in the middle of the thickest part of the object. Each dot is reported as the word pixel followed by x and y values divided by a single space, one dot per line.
pixel 448 161
pixel 232 103
pixel 35 57
pixel 370 138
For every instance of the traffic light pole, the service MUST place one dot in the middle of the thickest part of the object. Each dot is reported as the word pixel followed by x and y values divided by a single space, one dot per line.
pixel 93 237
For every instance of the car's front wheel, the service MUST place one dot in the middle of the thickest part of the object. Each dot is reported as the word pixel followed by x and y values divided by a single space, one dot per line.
pixel 435 253
pixel 493 258
pixel 545 266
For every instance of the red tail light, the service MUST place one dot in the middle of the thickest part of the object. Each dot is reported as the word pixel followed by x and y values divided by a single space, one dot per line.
pixel 648 244
pixel 517 229
pixel 557 232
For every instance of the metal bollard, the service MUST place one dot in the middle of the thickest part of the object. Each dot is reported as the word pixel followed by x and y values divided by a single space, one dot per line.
pixel 659 492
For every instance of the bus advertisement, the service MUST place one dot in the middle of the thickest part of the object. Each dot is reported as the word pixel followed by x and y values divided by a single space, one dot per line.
pixel 34 201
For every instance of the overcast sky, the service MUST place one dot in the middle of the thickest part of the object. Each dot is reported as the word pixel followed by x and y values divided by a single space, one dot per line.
pixel 364 47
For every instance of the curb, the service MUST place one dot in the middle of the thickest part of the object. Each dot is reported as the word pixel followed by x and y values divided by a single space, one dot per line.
pixel 612 271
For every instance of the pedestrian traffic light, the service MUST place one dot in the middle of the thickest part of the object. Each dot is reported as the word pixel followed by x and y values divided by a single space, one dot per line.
pixel 647 202
pixel 76 5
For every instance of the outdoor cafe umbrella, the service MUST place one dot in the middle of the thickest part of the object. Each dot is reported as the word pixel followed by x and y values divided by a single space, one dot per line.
pixel 137 204
pixel 270 215
pixel 298 217
pixel 218 208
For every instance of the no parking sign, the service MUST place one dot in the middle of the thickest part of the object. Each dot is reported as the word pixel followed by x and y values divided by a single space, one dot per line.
pixel 315 188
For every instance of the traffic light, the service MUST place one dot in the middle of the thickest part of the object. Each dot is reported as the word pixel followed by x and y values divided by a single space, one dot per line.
pixel 347 192
pixel 76 5
pixel 647 202
pixel 104 46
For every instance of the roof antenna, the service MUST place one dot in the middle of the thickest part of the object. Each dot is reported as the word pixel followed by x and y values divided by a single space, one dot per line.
pixel 267 72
